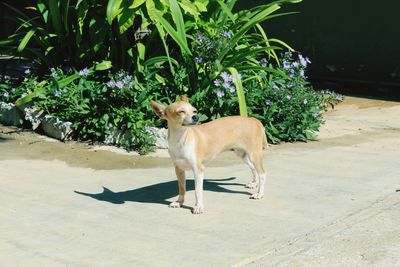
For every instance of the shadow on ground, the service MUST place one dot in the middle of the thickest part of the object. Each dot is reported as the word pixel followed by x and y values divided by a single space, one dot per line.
pixel 159 193
pixel 5 139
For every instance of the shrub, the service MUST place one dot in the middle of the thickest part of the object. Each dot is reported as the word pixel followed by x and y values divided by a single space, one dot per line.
pixel 96 107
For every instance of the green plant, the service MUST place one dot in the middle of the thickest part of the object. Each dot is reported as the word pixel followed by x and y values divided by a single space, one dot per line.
pixel 221 41
pixel 9 93
pixel 97 107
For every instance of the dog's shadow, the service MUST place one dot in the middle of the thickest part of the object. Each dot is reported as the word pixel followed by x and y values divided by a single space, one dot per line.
pixel 159 193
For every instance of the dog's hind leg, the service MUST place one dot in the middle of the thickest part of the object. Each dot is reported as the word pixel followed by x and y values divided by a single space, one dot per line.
pixel 259 166
pixel 246 159
pixel 253 183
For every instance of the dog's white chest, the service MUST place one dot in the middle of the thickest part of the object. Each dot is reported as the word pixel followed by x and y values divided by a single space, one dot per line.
pixel 183 155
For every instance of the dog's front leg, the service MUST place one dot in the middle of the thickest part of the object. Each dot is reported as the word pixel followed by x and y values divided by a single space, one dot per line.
pixel 180 175
pixel 198 185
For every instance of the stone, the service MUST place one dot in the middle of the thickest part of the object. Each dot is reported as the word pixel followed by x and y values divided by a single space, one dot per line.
pixel 161 135
pixel 10 114
pixel 56 128
pixel 34 116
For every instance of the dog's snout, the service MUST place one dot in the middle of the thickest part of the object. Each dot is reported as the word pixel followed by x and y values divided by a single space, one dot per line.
pixel 195 118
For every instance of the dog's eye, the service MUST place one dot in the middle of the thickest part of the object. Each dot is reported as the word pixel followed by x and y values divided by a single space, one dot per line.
pixel 181 112
pixel 195 111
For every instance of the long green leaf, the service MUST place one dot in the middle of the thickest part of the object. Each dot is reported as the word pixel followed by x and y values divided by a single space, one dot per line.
pixel 227 10
pixel 162 36
pixel 55 15
pixel 240 55
pixel 113 9
pixel 141 55
pixel 240 91
pixel 136 3
pixel 159 59
pixel 282 43
pixel 66 6
pixel 25 40
pixel 179 34
pixel 126 19
pixel 264 35
pixel 254 18
pixel 177 16
pixel 256 67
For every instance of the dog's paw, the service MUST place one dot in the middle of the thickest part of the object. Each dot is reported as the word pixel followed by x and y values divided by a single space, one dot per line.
pixel 198 209
pixel 251 185
pixel 175 204
pixel 257 196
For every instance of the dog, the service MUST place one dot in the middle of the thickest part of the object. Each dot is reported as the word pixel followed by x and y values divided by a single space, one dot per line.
pixel 192 144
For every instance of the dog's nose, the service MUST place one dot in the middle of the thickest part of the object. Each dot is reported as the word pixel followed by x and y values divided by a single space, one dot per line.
pixel 195 118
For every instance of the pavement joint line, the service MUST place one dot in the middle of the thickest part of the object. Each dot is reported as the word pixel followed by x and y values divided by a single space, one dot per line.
pixel 308 240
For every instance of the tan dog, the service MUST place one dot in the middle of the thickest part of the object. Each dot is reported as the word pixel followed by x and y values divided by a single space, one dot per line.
pixel 191 146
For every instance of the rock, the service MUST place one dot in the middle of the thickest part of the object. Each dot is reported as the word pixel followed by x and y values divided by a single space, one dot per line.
pixel 56 128
pixel 117 136
pixel 10 115
pixel 34 116
pixel 161 135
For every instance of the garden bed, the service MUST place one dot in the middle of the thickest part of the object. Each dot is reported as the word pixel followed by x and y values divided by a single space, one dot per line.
pixel 53 127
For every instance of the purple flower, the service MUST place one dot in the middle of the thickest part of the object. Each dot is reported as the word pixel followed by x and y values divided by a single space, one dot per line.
pixel 220 93
pixel 6 94
pixel 315 114
pixel 127 78
pixel 209 45
pixel 200 38
pixel 27 71
pixel 111 83
pixel 226 84
pixel 339 97
pixel 226 34
pixel 287 65
pixel 198 60
pixel 53 73
pixel 305 101
pixel 58 93
pixel 288 54
pixel 227 77
pixel 150 130
pixel 268 102
pixel 84 72
pixel 232 89
pixel 302 73
pixel 296 64
pixel 304 61
pixel 264 62
pixel 217 82
pixel 119 85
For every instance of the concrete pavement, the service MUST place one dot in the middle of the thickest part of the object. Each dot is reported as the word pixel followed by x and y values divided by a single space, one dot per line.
pixel 331 202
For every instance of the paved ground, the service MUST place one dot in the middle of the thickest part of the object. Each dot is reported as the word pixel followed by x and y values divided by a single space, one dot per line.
pixel 328 203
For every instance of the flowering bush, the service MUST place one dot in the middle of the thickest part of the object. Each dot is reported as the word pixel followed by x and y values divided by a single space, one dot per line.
pixel 287 105
pixel 96 107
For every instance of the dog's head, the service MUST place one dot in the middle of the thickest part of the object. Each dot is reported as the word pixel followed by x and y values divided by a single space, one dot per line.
pixel 179 113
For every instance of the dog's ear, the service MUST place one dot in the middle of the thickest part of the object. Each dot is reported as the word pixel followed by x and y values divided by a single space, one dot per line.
pixel 184 98
pixel 158 109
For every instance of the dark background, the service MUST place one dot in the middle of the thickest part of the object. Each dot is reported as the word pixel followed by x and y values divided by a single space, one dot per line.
pixel 354 45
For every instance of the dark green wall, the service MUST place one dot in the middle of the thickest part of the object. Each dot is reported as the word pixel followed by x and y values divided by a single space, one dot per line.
pixel 349 42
